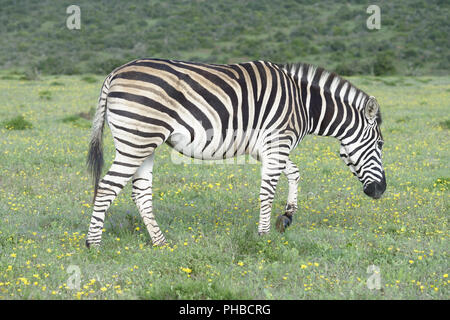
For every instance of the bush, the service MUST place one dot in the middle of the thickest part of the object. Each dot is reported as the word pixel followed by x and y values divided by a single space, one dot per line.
pixel 384 64
pixel 105 66
pixel 30 74
pixel 352 68
pixel 78 120
pixel 57 65
pixel 17 123
pixel 45 94
pixel 337 46
pixel 89 79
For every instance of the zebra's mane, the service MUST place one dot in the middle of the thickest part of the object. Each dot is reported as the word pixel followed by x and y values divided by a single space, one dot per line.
pixel 328 81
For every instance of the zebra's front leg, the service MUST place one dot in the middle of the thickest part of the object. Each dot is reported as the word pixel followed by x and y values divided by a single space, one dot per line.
pixel 142 196
pixel 292 174
pixel 270 174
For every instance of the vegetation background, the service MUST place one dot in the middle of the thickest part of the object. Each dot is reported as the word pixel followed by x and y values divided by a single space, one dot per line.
pixel 50 78
pixel 413 40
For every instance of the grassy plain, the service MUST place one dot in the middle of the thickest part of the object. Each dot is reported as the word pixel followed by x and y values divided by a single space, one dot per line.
pixel 209 213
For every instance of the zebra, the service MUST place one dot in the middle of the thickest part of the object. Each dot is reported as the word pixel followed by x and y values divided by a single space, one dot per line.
pixel 218 111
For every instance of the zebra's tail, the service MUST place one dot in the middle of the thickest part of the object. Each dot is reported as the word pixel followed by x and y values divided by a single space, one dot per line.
pixel 95 156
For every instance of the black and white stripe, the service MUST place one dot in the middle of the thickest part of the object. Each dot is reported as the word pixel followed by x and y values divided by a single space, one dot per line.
pixel 211 111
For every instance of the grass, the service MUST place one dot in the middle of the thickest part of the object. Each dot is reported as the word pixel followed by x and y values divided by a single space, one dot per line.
pixel 77 120
pixel 209 212
pixel 89 79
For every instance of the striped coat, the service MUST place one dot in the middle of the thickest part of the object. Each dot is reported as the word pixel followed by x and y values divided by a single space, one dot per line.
pixel 211 111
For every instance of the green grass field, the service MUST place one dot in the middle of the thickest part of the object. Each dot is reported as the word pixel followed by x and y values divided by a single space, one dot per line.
pixel 209 212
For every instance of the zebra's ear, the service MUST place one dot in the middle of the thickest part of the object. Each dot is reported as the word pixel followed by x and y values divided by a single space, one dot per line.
pixel 371 108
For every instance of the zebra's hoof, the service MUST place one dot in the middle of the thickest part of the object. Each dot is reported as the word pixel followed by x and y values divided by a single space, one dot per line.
pixel 283 221
pixel 160 243
pixel 91 244
pixel 261 233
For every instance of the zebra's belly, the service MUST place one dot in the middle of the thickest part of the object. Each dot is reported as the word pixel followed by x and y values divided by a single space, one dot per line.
pixel 204 149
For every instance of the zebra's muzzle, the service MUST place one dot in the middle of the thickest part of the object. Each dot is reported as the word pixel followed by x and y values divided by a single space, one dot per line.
pixel 376 189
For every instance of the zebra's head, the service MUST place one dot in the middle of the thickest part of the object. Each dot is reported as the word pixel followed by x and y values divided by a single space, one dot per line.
pixel 363 153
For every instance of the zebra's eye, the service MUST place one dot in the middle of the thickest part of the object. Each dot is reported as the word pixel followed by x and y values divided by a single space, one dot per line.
pixel 380 144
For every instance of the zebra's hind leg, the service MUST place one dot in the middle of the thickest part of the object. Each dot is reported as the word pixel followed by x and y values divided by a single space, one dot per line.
pixel 142 196
pixel 292 174
pixel 121 171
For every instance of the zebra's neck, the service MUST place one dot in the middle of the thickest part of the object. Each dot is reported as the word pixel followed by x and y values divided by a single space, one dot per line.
pixel 333 104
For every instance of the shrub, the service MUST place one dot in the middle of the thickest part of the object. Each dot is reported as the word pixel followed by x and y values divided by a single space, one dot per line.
pixel 80 120
pixel 17 123
pixel 384 64
pixel 445 124
pixel 56 83
pixel 45 94
pixel 57 65
pixel 30 74
pixel 352 68
pixel 105 66
pixel 89 79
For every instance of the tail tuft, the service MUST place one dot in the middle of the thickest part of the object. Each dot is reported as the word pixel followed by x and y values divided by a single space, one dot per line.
pixel 95 162
pixel 95 155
